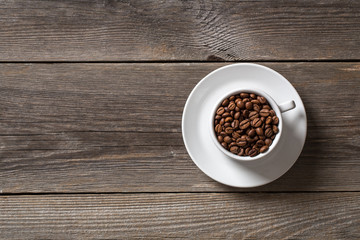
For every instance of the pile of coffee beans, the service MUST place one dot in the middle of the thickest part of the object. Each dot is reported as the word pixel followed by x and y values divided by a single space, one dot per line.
pixel 245 124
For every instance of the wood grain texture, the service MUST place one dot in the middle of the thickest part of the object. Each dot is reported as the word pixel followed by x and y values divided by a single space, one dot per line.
pixel 179 30
pixel 117 128
pixel 205 216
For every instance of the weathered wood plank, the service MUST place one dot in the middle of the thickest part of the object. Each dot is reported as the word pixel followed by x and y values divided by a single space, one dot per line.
pixel 205 216
pixel 178 30
pixel 116 128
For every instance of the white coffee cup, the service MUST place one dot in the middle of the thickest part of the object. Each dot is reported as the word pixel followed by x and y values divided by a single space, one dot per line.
pixel 278 108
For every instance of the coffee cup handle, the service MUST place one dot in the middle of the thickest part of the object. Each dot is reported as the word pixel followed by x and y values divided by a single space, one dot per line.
pixel 286 106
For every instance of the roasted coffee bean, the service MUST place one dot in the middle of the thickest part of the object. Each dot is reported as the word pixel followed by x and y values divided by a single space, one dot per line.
pixel 225 114
pixel 229 130
pixel 231 106
pixel 262 137
pixel 266 107
pixel 235 124
pixel 254 101
pixel 268 132
pixel 272 113
pixel 268 142
pixel 244 124
pixel 226 109
pixel 253 115
pixel 240 104
pixel 234 149
pixel 259 131
pixel 216 122
pixel 275 120
pixel 241 152
pixel 264 112
pixel 256 122
pixel 224 144
pixel 244 95
pixel 217 117
pixel 253 152
pixel 232 144
pixel 237 115
pixel 272 137
pixel 227 139
pixel 275 129
pixel 240 131
pixel 237 99
pixel 245 113
pixel 235 135
pixel 248 105
pixel 225 102
pixel 227 125
pixel 262 100
pixel 264 148
pixel 252 133
pixel 218 128
pixel 228 119
pixel 252 95
pixel 247 150
pixel 256 107
pixel 223 134
pixel 220 138
pixel 267 126
pixel 260 143
pixel 237 109
pixel 241 143
pixel 245 100
pixel 222 121
pixel 231 98
pixel 220 111
pixel 268 120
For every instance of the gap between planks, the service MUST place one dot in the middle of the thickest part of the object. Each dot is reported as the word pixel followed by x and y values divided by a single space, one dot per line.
pixel 189 61
pixel 180 192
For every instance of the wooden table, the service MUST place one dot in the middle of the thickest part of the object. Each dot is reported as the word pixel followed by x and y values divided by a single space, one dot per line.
pixel 91 99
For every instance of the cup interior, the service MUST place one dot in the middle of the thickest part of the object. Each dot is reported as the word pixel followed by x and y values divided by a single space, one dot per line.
pixel 274 106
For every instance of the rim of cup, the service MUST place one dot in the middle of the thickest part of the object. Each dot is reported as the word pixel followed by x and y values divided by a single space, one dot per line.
pixel 273 105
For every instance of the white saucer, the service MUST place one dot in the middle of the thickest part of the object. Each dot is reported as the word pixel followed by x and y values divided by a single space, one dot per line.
pixel 198 110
